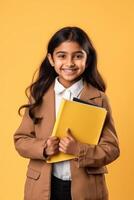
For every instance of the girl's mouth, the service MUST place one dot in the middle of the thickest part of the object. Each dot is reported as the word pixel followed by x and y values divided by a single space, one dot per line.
pixel 69 70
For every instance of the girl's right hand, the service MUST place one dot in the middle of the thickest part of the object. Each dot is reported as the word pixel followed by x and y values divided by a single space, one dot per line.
pixel 52 146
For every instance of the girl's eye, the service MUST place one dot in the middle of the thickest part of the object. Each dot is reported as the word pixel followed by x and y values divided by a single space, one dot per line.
pixel 61 56
pixel 78 56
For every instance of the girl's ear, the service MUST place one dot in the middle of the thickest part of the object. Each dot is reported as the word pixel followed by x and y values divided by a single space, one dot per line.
pixel 50 59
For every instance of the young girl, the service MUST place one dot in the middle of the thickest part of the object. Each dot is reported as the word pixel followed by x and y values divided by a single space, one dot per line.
pixel 68 70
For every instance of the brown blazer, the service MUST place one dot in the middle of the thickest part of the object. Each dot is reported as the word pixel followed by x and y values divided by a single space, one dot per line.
pixel 88 179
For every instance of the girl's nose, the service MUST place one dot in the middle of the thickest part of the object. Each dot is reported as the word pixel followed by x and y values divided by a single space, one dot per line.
pixel 70 62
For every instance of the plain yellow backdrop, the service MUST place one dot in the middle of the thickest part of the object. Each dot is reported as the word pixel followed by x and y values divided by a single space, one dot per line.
pixel 25 28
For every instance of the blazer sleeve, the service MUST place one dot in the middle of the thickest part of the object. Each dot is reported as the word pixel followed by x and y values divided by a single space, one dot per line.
pixel 25 140
pixel 107 150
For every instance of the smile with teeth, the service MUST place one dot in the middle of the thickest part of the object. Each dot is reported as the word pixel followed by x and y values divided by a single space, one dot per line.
pixel 69 70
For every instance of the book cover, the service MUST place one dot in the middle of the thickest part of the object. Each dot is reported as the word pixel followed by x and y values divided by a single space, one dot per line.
pixel 84 120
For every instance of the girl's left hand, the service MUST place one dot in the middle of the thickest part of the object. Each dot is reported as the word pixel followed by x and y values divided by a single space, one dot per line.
pixel 69 144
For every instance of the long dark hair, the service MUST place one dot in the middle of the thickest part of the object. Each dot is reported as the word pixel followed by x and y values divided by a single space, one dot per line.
pixel 47 74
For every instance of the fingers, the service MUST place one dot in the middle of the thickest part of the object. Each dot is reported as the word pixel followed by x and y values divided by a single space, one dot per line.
pixel 64 144
pixel 52 146
pixel 69 134
pixel 52 150
pixel 68 144
pixel 52 142
pixel 53 138
pixel 65 140
pixel 62 148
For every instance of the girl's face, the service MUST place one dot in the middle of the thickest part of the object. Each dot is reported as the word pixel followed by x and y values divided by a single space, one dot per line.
pixel 69 61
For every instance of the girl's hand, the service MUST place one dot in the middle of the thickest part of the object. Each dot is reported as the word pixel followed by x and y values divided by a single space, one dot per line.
pixel 69 144
pixel 52 146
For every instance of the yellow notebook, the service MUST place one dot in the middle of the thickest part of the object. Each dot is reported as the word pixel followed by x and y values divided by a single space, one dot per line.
pixel 85 122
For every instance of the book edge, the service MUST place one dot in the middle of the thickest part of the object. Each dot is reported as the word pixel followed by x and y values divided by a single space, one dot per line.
pixel 63 101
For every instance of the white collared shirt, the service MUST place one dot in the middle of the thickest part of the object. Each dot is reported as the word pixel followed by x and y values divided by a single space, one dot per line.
pixel 62 169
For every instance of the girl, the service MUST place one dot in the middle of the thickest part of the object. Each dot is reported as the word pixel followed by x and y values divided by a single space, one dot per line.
pixel 68 70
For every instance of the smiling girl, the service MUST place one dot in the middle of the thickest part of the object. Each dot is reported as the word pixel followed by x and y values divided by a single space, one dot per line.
pixel 68 70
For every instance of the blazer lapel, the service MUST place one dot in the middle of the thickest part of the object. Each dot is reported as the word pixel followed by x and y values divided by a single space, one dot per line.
pixel 89 92
pixel 47 111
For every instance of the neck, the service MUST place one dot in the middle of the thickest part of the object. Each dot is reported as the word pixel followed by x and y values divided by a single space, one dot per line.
pixel 68 84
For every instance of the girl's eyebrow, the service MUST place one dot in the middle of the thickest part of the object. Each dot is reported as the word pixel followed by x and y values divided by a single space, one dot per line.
pixel 67 52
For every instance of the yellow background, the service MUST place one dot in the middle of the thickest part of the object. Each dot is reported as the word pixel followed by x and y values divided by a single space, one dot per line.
pixel 25 27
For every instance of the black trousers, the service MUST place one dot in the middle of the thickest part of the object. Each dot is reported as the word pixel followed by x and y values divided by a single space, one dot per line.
pixel 60 190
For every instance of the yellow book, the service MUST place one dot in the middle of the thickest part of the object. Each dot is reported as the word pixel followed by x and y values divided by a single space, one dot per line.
pixel 85 122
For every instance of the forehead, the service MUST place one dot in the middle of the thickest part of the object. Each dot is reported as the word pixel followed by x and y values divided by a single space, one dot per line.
pixel 68 46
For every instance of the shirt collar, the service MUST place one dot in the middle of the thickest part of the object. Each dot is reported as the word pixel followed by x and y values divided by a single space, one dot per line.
pixel 58 87
pixel 75 88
